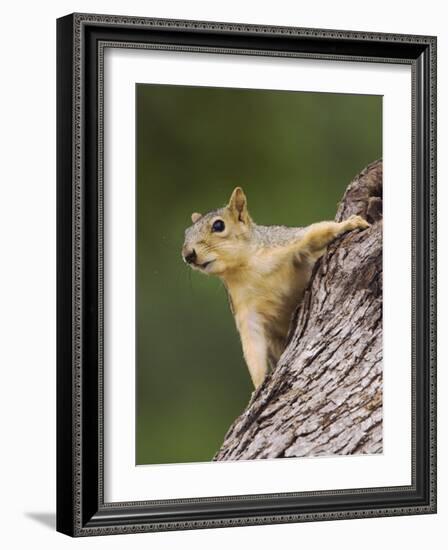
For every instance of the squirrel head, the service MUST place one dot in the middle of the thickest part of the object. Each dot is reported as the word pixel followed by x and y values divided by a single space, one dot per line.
pixel 217 242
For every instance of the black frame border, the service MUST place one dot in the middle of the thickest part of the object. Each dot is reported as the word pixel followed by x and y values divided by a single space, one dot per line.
pixel 81 39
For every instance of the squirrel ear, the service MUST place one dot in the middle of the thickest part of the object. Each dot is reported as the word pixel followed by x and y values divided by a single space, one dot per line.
pixel 195 217
pixel 238 204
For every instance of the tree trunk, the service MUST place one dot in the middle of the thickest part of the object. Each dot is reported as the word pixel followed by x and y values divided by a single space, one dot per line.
pixel 324 397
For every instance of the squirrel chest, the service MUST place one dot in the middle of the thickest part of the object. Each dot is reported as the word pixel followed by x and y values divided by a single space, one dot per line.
pixel 264 296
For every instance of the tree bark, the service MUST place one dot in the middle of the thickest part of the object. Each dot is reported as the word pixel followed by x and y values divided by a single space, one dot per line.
pixel 324 397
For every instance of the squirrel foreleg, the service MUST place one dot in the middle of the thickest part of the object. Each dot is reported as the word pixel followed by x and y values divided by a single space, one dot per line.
pixel 319 235
pixel 254 344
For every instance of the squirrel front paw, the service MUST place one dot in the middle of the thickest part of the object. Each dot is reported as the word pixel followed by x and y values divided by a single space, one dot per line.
pixel 357 222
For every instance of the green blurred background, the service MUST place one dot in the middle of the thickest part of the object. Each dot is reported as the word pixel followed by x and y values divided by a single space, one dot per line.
pixel 294 154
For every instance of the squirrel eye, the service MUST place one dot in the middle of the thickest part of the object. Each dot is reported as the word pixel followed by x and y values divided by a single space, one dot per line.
pixel 218 226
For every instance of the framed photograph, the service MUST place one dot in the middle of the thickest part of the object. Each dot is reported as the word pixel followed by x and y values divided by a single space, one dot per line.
pixel 246 274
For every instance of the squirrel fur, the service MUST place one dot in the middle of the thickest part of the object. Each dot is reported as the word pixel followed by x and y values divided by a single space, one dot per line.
pixel 265 270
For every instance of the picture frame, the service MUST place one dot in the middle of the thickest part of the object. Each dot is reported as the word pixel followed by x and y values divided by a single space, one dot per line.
pixel 81 506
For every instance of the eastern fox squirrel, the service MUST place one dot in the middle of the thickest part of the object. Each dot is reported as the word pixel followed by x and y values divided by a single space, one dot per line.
pixel 265 270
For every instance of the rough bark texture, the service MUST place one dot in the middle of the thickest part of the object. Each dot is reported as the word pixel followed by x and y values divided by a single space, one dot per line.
pixel 325 395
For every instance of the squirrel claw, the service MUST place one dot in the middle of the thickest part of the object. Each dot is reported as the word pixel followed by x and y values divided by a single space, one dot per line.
pixel 358 222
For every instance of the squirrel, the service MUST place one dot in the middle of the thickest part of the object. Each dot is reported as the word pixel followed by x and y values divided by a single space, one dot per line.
pixel 265 270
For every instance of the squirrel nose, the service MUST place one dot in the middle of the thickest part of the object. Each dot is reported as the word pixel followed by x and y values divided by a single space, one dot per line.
pixel 191 257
